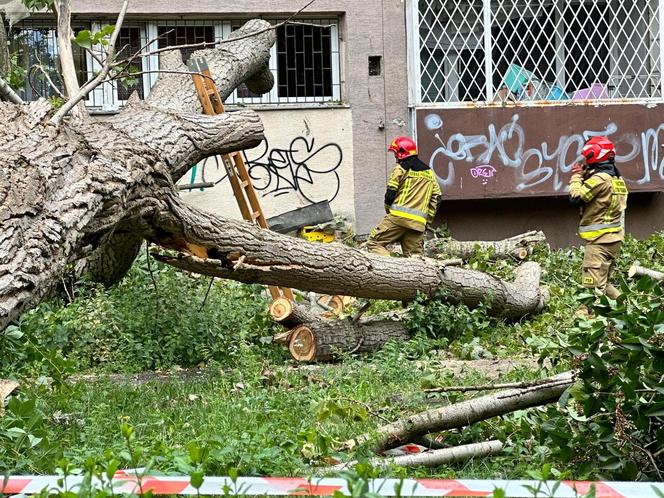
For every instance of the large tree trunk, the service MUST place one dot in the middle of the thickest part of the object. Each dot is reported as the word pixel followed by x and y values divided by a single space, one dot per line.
pixel 68 190
pixel 240 251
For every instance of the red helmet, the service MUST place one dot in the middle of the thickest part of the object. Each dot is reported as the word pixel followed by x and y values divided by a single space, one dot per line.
pixel 403 147
pixel 598 150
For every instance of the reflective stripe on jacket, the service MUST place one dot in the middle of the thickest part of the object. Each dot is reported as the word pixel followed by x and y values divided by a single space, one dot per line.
pixel 417 196
pixel 603 212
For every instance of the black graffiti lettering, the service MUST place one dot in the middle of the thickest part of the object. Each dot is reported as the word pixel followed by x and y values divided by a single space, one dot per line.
pixel 302 168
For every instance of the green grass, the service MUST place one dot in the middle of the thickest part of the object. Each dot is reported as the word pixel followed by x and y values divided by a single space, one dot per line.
pixel 248 406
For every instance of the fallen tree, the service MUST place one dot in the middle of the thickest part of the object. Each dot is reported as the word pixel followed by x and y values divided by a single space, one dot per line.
pixel 94 190
pixel 518 247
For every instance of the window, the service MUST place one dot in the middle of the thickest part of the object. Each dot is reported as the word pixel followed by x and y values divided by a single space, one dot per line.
pixel 128 44
pixel 531 50
pixel 170 36
pixel 305 60
pixel 35 45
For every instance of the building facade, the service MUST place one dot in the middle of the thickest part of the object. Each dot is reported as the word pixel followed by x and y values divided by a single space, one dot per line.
pixel 340 93
pixel 501 95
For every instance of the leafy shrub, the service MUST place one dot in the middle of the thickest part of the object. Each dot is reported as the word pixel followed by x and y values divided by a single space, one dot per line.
pixel 140 324
pixel 614 419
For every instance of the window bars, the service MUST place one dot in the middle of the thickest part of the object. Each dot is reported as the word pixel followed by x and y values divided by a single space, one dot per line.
pixel 536 50
pixel 305 61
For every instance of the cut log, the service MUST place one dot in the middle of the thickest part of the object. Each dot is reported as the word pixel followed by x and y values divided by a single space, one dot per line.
pixel 464 413
pixel 518 247
pixel 636 271
pixel 433 458
pixel 290 314
pixel 321 340
pixel 7 387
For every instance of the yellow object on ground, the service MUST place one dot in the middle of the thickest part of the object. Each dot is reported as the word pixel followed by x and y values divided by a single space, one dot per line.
pixel 311 234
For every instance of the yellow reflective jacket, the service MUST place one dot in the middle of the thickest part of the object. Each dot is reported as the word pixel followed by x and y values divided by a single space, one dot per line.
pixel 604 200
pixel 417 197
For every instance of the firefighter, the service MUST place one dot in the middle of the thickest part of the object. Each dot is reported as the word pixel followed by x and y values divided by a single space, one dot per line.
pixel 410 202
pixel 598 188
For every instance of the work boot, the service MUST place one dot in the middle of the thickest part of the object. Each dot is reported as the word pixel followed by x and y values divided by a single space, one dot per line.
pixel 583 312
pixel 612 292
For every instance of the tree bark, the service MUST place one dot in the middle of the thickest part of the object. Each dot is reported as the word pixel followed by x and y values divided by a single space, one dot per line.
pixel 518 247
pixel 464 413
pixel 636 271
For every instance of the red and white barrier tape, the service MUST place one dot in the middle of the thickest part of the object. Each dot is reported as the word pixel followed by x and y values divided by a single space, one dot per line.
pixel 281 486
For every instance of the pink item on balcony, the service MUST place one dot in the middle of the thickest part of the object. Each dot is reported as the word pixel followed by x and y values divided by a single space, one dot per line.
pixel 597 91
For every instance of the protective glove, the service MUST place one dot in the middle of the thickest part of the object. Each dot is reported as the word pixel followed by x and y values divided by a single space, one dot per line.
pixel 577 169
pixel 387 209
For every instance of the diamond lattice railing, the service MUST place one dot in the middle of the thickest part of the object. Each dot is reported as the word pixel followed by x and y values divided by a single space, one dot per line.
pixel 534 50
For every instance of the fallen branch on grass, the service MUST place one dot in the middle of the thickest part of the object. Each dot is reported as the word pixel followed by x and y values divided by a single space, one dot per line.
pixel 636 271
pixel 488 387
pixel 433 458
pixel 464 413
pixel 518 247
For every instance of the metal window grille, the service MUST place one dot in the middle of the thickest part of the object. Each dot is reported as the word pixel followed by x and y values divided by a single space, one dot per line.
pixel 34 44
pixel 305 61
pixel 536 50
pixel 128 44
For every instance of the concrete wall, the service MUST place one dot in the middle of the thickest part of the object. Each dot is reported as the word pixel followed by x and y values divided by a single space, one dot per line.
pixel 307 157
pixel 378 104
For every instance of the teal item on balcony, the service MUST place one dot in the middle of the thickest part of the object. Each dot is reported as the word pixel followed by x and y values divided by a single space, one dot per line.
pixel 516 78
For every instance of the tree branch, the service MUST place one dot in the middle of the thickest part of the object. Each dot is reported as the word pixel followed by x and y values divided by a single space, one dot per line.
pixel 274 259
pixel 76 98
pixel 64 35
pixel 184 139
pixel 8 94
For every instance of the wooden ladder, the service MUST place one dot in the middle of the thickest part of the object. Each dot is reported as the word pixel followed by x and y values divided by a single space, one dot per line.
pixel 236 169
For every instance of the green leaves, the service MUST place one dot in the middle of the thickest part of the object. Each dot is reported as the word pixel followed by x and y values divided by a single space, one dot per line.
pixel 618 351
pixel 87 39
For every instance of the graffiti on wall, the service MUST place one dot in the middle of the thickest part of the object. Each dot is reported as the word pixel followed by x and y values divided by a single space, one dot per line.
pixel 531 151
pixel 303 167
